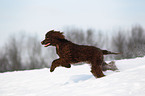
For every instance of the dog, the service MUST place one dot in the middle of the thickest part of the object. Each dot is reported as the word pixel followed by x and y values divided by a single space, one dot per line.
pixel 71 53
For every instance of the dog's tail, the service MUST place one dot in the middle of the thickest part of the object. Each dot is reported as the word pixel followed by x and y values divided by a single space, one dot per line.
pixel 105 52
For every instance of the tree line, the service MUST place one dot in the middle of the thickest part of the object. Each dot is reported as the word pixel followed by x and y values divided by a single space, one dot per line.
pixel 26 52
pixel 131 45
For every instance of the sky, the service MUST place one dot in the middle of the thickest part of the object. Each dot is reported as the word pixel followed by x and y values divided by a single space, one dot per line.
pixel 40 16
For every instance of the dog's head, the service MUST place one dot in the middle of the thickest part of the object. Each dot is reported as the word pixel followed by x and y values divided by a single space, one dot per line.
pixel 52 38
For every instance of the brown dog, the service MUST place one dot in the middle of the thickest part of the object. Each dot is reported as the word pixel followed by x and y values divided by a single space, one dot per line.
pixel 71 53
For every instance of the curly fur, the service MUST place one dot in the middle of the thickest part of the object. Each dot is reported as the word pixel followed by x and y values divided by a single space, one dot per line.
pixel 71 53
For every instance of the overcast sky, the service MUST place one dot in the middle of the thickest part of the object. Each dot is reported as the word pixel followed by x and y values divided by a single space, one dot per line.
pixel 39 16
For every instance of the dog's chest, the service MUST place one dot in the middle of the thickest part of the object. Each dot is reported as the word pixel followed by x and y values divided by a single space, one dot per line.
pixel 61 51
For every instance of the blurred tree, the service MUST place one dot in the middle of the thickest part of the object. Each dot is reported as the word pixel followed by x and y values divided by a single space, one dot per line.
pixel 35 54
pixel 22 53
pixel 87 37
pixel 130 46
pixel 4 64
pixel 136 43
pixel 14 54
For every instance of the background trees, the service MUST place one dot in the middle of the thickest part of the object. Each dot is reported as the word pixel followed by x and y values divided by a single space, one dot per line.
pixel 88 37
pixel 23 53
pixel 26 52
pixel 132 45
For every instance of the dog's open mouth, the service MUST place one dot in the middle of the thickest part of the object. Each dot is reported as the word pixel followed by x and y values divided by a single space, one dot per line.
pixel 46 44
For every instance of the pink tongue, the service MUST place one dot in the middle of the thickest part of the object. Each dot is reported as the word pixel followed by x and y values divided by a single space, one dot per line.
pixel 47 44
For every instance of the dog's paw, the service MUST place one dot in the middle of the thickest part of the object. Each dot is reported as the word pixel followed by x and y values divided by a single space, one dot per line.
pixel 51 70
pixel 68 66
pixel 52 67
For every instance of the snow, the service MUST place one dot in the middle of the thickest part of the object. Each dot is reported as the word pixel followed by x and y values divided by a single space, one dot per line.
pixel 77 81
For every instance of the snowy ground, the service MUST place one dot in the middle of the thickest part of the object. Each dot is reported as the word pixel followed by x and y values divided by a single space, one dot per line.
pixel 77 81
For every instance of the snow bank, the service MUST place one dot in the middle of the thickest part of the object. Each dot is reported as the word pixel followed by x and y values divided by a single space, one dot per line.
pixel 77 81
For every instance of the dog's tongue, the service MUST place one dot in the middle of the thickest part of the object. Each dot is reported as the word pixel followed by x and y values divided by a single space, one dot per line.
pixel 47 44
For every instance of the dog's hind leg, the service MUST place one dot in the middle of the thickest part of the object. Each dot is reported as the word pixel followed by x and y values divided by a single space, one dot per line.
pixel 96 69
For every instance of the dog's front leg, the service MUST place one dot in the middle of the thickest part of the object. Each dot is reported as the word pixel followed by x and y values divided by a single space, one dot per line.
pixel 59 62
pixel 55 64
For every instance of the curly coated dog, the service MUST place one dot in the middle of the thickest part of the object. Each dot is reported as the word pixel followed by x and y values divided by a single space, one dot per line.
pixel 71 53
